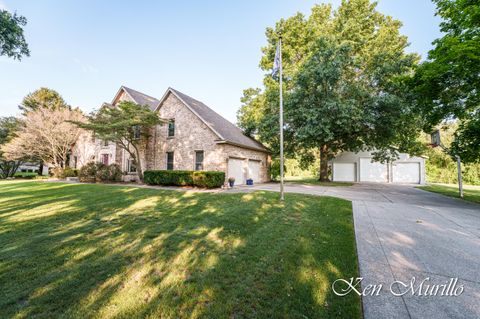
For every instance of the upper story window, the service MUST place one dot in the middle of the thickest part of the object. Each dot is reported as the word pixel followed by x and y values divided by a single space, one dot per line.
pixel 105 142
pixel 136 132
pixel 199 160
pixel 170 161
pixel 171 128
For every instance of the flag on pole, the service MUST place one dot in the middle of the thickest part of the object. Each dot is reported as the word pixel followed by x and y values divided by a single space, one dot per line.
pixel 276 61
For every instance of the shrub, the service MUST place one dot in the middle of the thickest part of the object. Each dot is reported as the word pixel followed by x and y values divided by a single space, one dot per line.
pixel 69 172
pixel 115 173
pixel 99 172
pixel 59 172
pixel 88 172
pixel 206 179
pixel 26 175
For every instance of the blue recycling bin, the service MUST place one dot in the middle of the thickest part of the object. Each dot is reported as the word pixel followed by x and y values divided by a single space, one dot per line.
pixel 250 181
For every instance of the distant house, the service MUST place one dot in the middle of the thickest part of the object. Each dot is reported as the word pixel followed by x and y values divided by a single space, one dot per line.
pixel 27 167
pixel 194 137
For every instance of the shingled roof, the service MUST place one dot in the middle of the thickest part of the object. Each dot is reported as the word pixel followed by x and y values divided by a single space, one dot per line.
pixel 141 99
pixel 226 131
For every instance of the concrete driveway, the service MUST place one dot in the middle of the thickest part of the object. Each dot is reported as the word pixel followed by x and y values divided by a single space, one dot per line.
pixel 404 233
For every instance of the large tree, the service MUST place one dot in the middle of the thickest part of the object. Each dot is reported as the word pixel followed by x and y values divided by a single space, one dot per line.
pixel 8 126
pixel 126 124
pixel 448 83
pixel 45 134
pixel 42 98
pixel 12 40
pixel 344 76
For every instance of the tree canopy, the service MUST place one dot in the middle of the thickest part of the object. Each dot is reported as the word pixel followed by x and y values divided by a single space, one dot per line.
pixel 12 40
pixel 45 134
pixel 8 126
pixel 42 98
pixel 344 78
pixel 127 124
pixel 447 84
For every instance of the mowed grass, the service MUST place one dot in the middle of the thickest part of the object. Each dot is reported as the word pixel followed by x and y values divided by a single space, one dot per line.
pixel 96 251
pixel 315 181
pixel 470 193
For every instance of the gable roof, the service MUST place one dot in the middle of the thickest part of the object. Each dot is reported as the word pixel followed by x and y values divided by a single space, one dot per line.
pixel 226 131
pixel 139 97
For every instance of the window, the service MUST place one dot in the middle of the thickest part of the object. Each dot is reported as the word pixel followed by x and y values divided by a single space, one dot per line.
pixel 105 159
pixel 170 161
pixel 75 161
pixel 198 160
pixel 136 132
pixel 171 128
pixel 131 166
pixel 105 143
pixel 93 137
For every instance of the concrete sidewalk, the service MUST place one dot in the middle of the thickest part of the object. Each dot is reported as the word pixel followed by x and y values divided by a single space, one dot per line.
pixel 404 233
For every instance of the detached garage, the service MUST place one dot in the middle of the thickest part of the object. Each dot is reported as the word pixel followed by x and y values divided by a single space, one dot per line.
pixel 359 167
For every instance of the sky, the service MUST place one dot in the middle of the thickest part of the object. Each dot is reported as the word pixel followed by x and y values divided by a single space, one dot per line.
pixel 207 49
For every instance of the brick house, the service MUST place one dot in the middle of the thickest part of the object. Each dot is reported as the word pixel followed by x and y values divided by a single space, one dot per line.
pixel 194 137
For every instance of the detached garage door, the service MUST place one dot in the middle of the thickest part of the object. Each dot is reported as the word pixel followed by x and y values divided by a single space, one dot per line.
pixel 373 172
pixel 254 171
pixel 406 173
pixel 235 169
pixel 344 172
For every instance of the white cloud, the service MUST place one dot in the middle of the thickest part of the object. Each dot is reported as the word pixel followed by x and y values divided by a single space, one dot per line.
pixel 85 67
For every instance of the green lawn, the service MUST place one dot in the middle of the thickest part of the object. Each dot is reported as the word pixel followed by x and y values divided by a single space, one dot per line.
pixel 470 193
pixel 96 251
pixel 314 181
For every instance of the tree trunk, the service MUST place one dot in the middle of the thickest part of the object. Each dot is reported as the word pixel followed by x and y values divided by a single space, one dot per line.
pixel 324 164
pixel 139 164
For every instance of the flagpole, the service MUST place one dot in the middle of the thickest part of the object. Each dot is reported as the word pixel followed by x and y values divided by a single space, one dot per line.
pixel 281 122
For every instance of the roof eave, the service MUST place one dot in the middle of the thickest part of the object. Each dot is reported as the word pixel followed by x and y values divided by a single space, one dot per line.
pixel 265 150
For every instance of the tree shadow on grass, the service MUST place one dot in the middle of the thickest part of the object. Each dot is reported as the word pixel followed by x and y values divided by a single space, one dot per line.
pixel 127 252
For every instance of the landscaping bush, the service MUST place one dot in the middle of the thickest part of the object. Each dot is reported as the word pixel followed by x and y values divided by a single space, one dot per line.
pixel 112 173
pixel 62 173
pixel 99 172
pixel 88 172
pixel 69 172
pixel 26 175
pixel 206 179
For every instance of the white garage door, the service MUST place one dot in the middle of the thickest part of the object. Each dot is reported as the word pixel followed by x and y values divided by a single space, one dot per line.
pixel 254 171
pixel 344 172
pixel 235 169
pixel 373 172
pixel 406 173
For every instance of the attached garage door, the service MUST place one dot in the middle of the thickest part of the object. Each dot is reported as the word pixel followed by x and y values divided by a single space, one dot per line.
pixel 254 171
pixel 373 172
pixel 235 169
pixel 406 173
pixel 344 172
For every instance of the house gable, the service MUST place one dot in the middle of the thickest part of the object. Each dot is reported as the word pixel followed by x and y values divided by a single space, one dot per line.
pixel 225 131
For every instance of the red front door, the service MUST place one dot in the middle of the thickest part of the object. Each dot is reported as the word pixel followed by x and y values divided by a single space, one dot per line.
pixel 105 159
